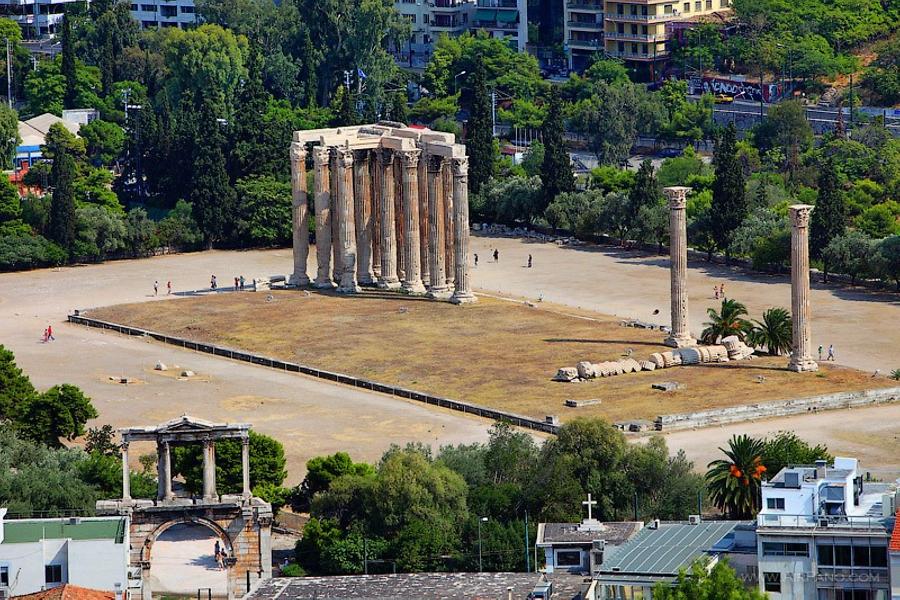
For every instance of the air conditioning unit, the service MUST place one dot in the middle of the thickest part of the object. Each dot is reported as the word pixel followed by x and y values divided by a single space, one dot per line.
pixel 823 522
pixel 598 545
pixel 694 519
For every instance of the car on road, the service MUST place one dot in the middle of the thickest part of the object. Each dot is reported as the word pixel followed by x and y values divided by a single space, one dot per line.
pixel 723 99
pixel 670 152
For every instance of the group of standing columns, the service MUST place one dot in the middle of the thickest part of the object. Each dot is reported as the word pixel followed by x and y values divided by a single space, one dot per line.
pixel 680 336
pixel 391 210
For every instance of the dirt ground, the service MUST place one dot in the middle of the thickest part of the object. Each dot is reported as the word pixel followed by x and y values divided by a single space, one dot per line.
pixel 494 353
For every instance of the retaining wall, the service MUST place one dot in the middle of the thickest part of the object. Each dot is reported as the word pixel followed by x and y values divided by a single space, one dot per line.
pixel 781 408
pixel 474 409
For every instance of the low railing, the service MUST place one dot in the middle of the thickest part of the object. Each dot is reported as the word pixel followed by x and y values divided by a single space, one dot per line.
pixel 264 361
pixel 635 37
pixel 585 25
pixel 629 17
pixel 819 521
pixel 585 43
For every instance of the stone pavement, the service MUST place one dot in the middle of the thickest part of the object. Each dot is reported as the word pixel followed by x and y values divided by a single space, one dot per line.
pixel 184 561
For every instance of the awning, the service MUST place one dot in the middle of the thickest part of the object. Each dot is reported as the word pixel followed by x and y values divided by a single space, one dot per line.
pixel 483 14
pixel 507 16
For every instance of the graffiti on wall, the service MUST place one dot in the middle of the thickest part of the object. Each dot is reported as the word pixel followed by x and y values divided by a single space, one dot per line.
pixel 740 90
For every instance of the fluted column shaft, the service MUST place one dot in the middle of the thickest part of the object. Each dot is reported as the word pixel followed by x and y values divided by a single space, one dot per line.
pixel 680 335
pixel 463 292
pixel 322 202
pixel 388 278
pixel 299 214
pixel 245 468
pixel 412 277
pixel 346 222
pixel 362 210
pixel 126 473
pixel 209 470
pixel 436 268
pixel 424 262
pixel 375 170
pixel 399 225
pixel 449 234
pixel 336 252
pixel 801 354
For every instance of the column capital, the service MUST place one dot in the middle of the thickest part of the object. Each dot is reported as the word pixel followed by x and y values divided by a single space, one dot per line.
pixel 344 157
pixel 321 155
pixel 123 446
pixel 460 166
pixel 435 162
pixel 677 196
pixel 245 441
pixel 298 151
pixel 410 158
pixel 800 214
pixel 384 156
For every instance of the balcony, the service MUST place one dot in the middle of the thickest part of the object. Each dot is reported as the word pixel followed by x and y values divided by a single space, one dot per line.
pixel 821 522
pixel 445 24
pixel 585 5
pixel 498 4
pixel 640 18
pixel 590 25
pixel 635 37
pixel 447 4
pixel 594 44
pixel 628 55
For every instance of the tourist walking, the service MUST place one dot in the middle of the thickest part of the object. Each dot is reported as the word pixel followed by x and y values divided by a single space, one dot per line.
pixel 212 282
pixel 237 283
pixel 496 255
pixel 476 259
pixel 529 261
pixel 820 352
pixel 831 352
pixel 722 291
pixel 50 337
pixel 156 288
pixel 169 287
pixel 716 291
pixel 241 280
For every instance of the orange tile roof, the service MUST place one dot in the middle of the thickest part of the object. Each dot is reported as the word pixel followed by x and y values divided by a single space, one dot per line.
pixel 69 592
pixel 895 539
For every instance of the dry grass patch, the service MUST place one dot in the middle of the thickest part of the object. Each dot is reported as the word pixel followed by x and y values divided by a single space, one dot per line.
pixel 493 353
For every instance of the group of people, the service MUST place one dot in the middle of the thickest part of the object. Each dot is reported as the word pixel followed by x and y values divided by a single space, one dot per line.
pixel 239 283
pixel 156 288
pixel 221 555
pixel 48 334
pixel 719 291
pixel 830 352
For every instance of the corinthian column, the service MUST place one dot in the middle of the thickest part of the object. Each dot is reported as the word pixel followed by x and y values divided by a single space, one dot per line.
pixel 436 272
pixel 209 470
pixel 336 253
pixel 322 202
pixel 387 228
pixel 346 241
pixel 299 215
pixel 412 277
pixel 801 353
pixel 463 292
pixel 447 197
pixel 362 210
pixel 424 263
pixel 680 335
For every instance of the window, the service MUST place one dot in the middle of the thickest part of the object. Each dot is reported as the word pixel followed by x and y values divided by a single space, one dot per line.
pixel 842 556
pixel 53 574
pixel 698 5
pixel 186 10
pixel 775 503
pixel 687 7
pixel 785 549
pixel 568 558
pixel 168 11
pixel 148 7
pixel 879 556
pixel 825 554
pixel 708 4
pixel 134 7
pixel 4 575
pixel 772 582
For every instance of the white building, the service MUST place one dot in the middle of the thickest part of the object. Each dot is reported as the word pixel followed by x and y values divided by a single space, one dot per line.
pixel 823 534
pixel 429 19
pixel 37 18
pixel 503 19
pixel 580 547
pixel 155 14
pixel 38 554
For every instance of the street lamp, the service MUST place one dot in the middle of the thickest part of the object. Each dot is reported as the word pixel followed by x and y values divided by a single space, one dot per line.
pixel 457 76
pixel 480 521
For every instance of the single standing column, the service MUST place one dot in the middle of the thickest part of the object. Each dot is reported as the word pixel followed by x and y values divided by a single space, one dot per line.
pixel 167 461
pixel 436 272
pixel 299 214
pixel 346 225
pixel 209 470
pixel 163 471
pixel 447 197
pixel 801 353
pixel 680 335
pixel 323 217
pixel 424 263
pixel 399 226
pixel 336 252
pixel 376 171
pixel 245 467
pixel 362 211
pixel 388 231
pixel 126 474
pixel 463 292
pixel 412 277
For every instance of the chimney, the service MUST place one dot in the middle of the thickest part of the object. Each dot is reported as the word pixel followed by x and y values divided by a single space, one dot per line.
pixel 821 469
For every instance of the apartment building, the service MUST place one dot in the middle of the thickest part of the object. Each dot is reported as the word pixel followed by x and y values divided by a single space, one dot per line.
pixel 37 18
pixel 583 32
pixel 823 534
pixel 431 18
pixel 503 19
pixel 155 14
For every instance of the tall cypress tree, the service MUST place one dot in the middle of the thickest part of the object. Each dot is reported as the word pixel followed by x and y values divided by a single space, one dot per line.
pixel 62 203
pixel 556 169
pixel 68 63
pixel 729 201
pixel 480 130
pixel 250 133
pixel 828 218
pixel 646 189
pixel 211 193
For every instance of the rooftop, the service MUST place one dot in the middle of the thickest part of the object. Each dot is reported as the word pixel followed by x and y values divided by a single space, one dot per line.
pixel 894 546
pixel 24 531
pixel 68 592
pixel 657 554
pixel 421 586
pixel 614 533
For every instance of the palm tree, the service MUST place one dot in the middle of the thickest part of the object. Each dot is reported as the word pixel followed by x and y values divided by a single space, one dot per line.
pixel 728 321
pixel 734 482
pixel 775 332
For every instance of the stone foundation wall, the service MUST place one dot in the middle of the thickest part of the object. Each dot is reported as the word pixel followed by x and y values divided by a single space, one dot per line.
pixel 748 412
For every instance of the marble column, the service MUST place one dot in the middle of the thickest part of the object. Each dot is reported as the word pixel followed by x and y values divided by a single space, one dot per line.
pixel 346 225
pixel 245 467
pixel 299 214
pixel 424 263
pixel 323 217
pixel 209 470
pixel 437 274
pixel 399 227
pixel 164 471
pixel 388 278
pixel 680 335
pixel 126 473
pixel 801 353
pixel 362 211
pixel 412 276
pixel 336 252
pixel 375 171
pixel 462 294
pixel 447 197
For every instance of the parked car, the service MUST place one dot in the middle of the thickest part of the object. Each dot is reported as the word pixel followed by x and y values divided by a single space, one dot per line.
pixel 723 99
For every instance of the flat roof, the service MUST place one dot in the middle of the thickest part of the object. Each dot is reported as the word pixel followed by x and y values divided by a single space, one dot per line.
pixel 613 533
pixel 24 531
pixel 663 552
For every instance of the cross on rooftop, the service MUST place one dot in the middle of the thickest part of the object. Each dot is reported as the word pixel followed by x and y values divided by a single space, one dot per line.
pixel 589 503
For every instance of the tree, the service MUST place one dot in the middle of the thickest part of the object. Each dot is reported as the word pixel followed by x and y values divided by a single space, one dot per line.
pixel 850 254
pixel 10 204
pixel 68 63
pixel 784 128
pixel 734 482
pixel 728 321
pixel 105 141
pixel 887 259
pixel 828 216
pixel 60 412
pixel 139 230
pixel 62 207
pixel 15 386
pixel 556 170
pixel 9 135
pixel 98 232
pixel 321 471
pixel 646 190
pixel 786 448
pixel 210 193
pixel 729 203
pixel 719 583
pixel 479 132
pixel 774 332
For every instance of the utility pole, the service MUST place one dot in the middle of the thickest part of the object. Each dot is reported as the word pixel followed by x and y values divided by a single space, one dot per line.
pixel 527 555
pixel 8 76
pixel 851 102
pixel 494 112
